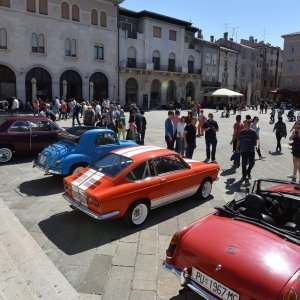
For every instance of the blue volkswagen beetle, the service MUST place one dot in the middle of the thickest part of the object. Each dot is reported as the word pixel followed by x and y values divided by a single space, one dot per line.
pixel 73 153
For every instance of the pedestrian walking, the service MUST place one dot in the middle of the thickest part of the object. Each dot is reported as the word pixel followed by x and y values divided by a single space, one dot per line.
pixel 237 127
pixel 76 107
pixel 169 130
pixel 280 131
pixel 246 146
pixel 295 137
pixel 89 116
pixel 201 121
pixel 180 136
pixel 211 127
pixel 189 136
pixel 256 128
pixel 122 125
pixel 144 127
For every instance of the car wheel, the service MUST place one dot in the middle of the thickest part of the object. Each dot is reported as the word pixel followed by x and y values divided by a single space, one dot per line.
pixel 137 213
pixel 6 154
pixel 77 168
pixel 205 189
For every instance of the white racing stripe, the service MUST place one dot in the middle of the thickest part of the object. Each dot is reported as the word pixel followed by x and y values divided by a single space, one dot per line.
pixel 85 185
pixel 122 151
pixel 83 177
pixel 139 151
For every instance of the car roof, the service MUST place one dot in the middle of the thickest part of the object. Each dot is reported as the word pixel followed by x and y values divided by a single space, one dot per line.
pixel 27 117
pixel 143 152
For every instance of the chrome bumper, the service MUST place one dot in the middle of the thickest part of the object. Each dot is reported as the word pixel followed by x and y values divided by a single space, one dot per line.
pixel 87 211
pixel 47 170
pixel 185 280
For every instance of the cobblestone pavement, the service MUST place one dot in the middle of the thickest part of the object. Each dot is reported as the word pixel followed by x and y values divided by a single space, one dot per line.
pixel 109 260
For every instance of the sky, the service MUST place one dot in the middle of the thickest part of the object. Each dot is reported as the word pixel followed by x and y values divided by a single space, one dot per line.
pixel 265 20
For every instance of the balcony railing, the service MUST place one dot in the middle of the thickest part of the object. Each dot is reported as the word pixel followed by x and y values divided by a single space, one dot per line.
pixel 195 71
pixel 171 69
pixel 135 65
pixel 211 83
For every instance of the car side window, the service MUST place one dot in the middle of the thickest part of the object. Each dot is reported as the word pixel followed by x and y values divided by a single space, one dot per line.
pixel 19 126
pixel 168 163
pixel 106 139
pixel 142 171
pixel 41 125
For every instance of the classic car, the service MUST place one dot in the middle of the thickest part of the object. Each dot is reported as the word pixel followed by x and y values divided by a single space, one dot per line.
pixel 25 134
pixel 73 153
pixel 246 249
pixel 131 181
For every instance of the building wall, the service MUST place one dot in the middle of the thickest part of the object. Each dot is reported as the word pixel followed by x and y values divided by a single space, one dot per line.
pixel 18 56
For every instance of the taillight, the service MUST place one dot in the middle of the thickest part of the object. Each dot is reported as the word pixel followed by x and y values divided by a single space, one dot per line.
pixel 290 295
pixel 173 244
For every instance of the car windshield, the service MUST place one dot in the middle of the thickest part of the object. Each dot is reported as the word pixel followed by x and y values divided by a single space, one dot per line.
pixel 111 164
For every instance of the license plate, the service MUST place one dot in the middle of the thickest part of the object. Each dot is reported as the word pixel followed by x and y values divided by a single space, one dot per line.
pixel 80 198
pixel 43 159
pixel 217 288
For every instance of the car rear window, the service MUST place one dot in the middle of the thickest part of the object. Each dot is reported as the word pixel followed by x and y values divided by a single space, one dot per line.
pixel 111 164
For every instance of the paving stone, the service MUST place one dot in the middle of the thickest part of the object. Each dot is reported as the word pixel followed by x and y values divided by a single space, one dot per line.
pixel 96 275
pixel 148 242
pixel 168 227
pixel 142 295
pixel 119 283
pixel 125 255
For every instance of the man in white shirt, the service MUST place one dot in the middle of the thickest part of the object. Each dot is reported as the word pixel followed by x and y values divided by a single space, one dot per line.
pixel 15 106
pixel 98 110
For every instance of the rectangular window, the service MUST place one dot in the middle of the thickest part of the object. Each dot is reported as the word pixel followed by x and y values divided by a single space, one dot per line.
pixel 43 7
pixel 98 52
pixel 171 65
pixel 156 32
pixel 73 48
pixel 3 38
pixel 172 35
pixel 131 63
pixel 156 63
pixel 67 47
pixel 127 27
pixel 31 5
pixel 41 47
pixel 34 43
pixel 190 66
pixel 5 3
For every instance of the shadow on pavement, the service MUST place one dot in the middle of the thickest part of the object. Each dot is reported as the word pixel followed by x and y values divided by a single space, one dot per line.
pixel 227 172
pixel 275 153
pixel 186 294
pixel 232 186
pixel 20 159
pixel 74 232
pixel 48 185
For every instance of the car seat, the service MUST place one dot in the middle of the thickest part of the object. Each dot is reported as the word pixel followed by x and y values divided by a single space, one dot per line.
pixel 253 206
pixel 293 225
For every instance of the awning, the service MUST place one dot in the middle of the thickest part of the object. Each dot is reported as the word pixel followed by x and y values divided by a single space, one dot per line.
pixel 223 93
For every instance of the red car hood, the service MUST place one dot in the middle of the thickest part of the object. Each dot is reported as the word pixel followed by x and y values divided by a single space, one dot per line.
pixel 255 262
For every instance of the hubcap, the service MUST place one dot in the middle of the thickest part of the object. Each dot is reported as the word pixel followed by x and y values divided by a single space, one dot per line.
pixel 139 214
pixel 5 155
pixel 206 189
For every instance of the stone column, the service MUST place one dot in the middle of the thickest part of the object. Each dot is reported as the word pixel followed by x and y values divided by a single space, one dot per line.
pixel 91 85
pixel 65 88
pixel 33 89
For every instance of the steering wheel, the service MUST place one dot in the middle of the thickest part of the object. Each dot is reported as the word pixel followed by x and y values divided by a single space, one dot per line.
pixel 275 203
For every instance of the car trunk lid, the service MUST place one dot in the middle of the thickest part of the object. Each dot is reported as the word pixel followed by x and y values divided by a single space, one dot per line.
pixel 254 263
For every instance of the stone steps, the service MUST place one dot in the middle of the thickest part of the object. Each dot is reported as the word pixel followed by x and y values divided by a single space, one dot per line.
pixel 26 271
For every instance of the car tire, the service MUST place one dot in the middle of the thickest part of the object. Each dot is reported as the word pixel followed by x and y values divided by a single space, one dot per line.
pixel 137 213
pixel 6 154
pixel 77 168
pixel 205 189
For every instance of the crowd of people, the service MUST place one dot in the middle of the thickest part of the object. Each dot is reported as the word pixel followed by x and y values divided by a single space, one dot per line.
pixel 181 134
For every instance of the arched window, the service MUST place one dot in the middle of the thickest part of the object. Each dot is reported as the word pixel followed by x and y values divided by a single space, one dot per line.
pixel 131 57
pixel 73 48
pixel 5 3
pixel 41 43
pixel 75 12
pixel 3 38
pixel 171 63
pixel 103 19
pixel 98 52
pixel 156 60
pixel 43 7
pixel 191 64
pixel 65 13
pixel 67 47
pixel 34 42
pixel 31 5
pixel 94 17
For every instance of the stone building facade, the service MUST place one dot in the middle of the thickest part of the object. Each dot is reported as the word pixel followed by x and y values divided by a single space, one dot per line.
pixel 54 48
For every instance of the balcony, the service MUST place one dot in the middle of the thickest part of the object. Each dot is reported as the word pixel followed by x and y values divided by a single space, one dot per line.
pixel 194 71
pixel 135 65
pixel 170 68
pixel 211 84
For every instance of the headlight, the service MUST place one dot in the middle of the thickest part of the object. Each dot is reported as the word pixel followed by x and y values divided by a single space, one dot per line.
pixel 290 295
pixel 90 200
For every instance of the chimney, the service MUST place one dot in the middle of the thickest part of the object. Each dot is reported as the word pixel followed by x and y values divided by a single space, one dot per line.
pixel 226 36
pixel 212 38
pixel 231 39
pixel 199 34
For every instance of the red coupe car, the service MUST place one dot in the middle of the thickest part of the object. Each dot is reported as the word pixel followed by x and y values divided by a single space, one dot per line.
pixel 129 182
pixel 246 249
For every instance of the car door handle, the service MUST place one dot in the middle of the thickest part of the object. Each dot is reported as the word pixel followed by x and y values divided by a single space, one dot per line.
pixel 163 180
